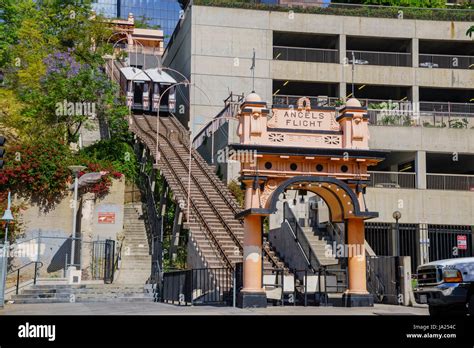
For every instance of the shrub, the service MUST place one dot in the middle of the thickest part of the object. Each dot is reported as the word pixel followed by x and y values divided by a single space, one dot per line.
pixel 237 192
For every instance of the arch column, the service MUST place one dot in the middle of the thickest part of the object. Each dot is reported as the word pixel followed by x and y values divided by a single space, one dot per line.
pixel 252 293
pixel 356 295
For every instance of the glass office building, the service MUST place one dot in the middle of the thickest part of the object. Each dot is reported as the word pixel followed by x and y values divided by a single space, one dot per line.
pixel 164 13
pixel 106 7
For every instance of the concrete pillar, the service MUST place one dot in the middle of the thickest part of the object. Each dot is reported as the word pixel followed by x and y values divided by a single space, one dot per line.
pixel 414 50
pixel 415 90
pixel 356 294
pixel 415 99
pixel 87 234
pixel 420 169
pixel 343 61
pixel 405 282
pixel 342 48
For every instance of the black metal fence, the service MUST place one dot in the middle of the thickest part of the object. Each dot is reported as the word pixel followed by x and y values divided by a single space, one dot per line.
pixel 439 241
pixel 443 241
pixel 199 286
pixel 103 260
pixel 383 279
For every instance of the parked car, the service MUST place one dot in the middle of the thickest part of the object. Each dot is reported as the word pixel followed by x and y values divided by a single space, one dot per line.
pixel 447 286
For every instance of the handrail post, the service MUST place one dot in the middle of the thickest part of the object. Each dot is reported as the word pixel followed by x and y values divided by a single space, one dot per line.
pixel 234 286
pixel 305 287
pixel 17 281
pixel 36 273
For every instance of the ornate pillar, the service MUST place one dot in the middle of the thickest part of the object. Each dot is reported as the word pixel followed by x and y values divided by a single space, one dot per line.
pixel 252 294
pixel 356 294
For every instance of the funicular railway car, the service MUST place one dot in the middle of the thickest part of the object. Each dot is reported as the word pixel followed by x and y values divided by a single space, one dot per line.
pixel 135 83
pixel 143 89
pixel 160 82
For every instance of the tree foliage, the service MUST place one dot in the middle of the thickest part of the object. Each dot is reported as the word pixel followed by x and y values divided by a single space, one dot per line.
pixel 51 57
pixel 52 52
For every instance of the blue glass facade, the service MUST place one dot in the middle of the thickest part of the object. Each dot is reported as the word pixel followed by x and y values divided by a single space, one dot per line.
pixel 106 7
pixel 164 13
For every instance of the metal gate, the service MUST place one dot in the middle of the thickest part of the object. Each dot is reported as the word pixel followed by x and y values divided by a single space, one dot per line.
pixel 103 257
pixel 199 286
pixel 383 278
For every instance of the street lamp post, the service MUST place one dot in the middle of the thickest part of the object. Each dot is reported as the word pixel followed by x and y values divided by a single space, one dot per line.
pixel 75 170
pixel 8 217
pixel 397 216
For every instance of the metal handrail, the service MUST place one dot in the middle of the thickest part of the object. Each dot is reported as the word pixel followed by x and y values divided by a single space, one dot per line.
pixel 300 238
pixel 380 287
pixel 400 59
pixel 382 172
pixel 17 270
pixel 308 48
pixel 380 52
pixel 336 233
pixel 305 54
pixel 446 55
pixel 446 174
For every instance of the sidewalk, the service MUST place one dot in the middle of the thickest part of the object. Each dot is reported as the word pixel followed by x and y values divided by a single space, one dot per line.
pixel 167 309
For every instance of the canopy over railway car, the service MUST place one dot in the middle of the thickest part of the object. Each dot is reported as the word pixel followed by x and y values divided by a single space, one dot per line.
pixel 141 86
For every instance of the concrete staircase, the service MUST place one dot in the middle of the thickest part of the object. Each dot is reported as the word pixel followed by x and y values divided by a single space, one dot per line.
pixel 63 293
pixel 319 242
pixel 135 265
pixel 215 235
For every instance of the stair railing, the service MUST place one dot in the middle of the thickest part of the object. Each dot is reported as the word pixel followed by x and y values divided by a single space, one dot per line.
pixel 335 232
pixel 300 238
pixel 38 265
pixel 154 225
pixel 375 285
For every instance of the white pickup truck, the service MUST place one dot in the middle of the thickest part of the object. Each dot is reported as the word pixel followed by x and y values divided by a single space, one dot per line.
pixel 447 286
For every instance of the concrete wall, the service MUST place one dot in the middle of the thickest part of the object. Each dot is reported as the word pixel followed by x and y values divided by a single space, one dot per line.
pixel 422 206
pixel 178 56
pixel 194 260
pixel 54 227
pixel 215 47
pixel 448 140
pixel 224 135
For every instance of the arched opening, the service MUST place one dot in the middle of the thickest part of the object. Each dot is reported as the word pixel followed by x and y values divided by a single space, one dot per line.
pixel 339 196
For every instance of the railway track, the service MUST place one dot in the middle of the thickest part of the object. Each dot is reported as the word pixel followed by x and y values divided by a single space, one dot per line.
pixel 215 232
